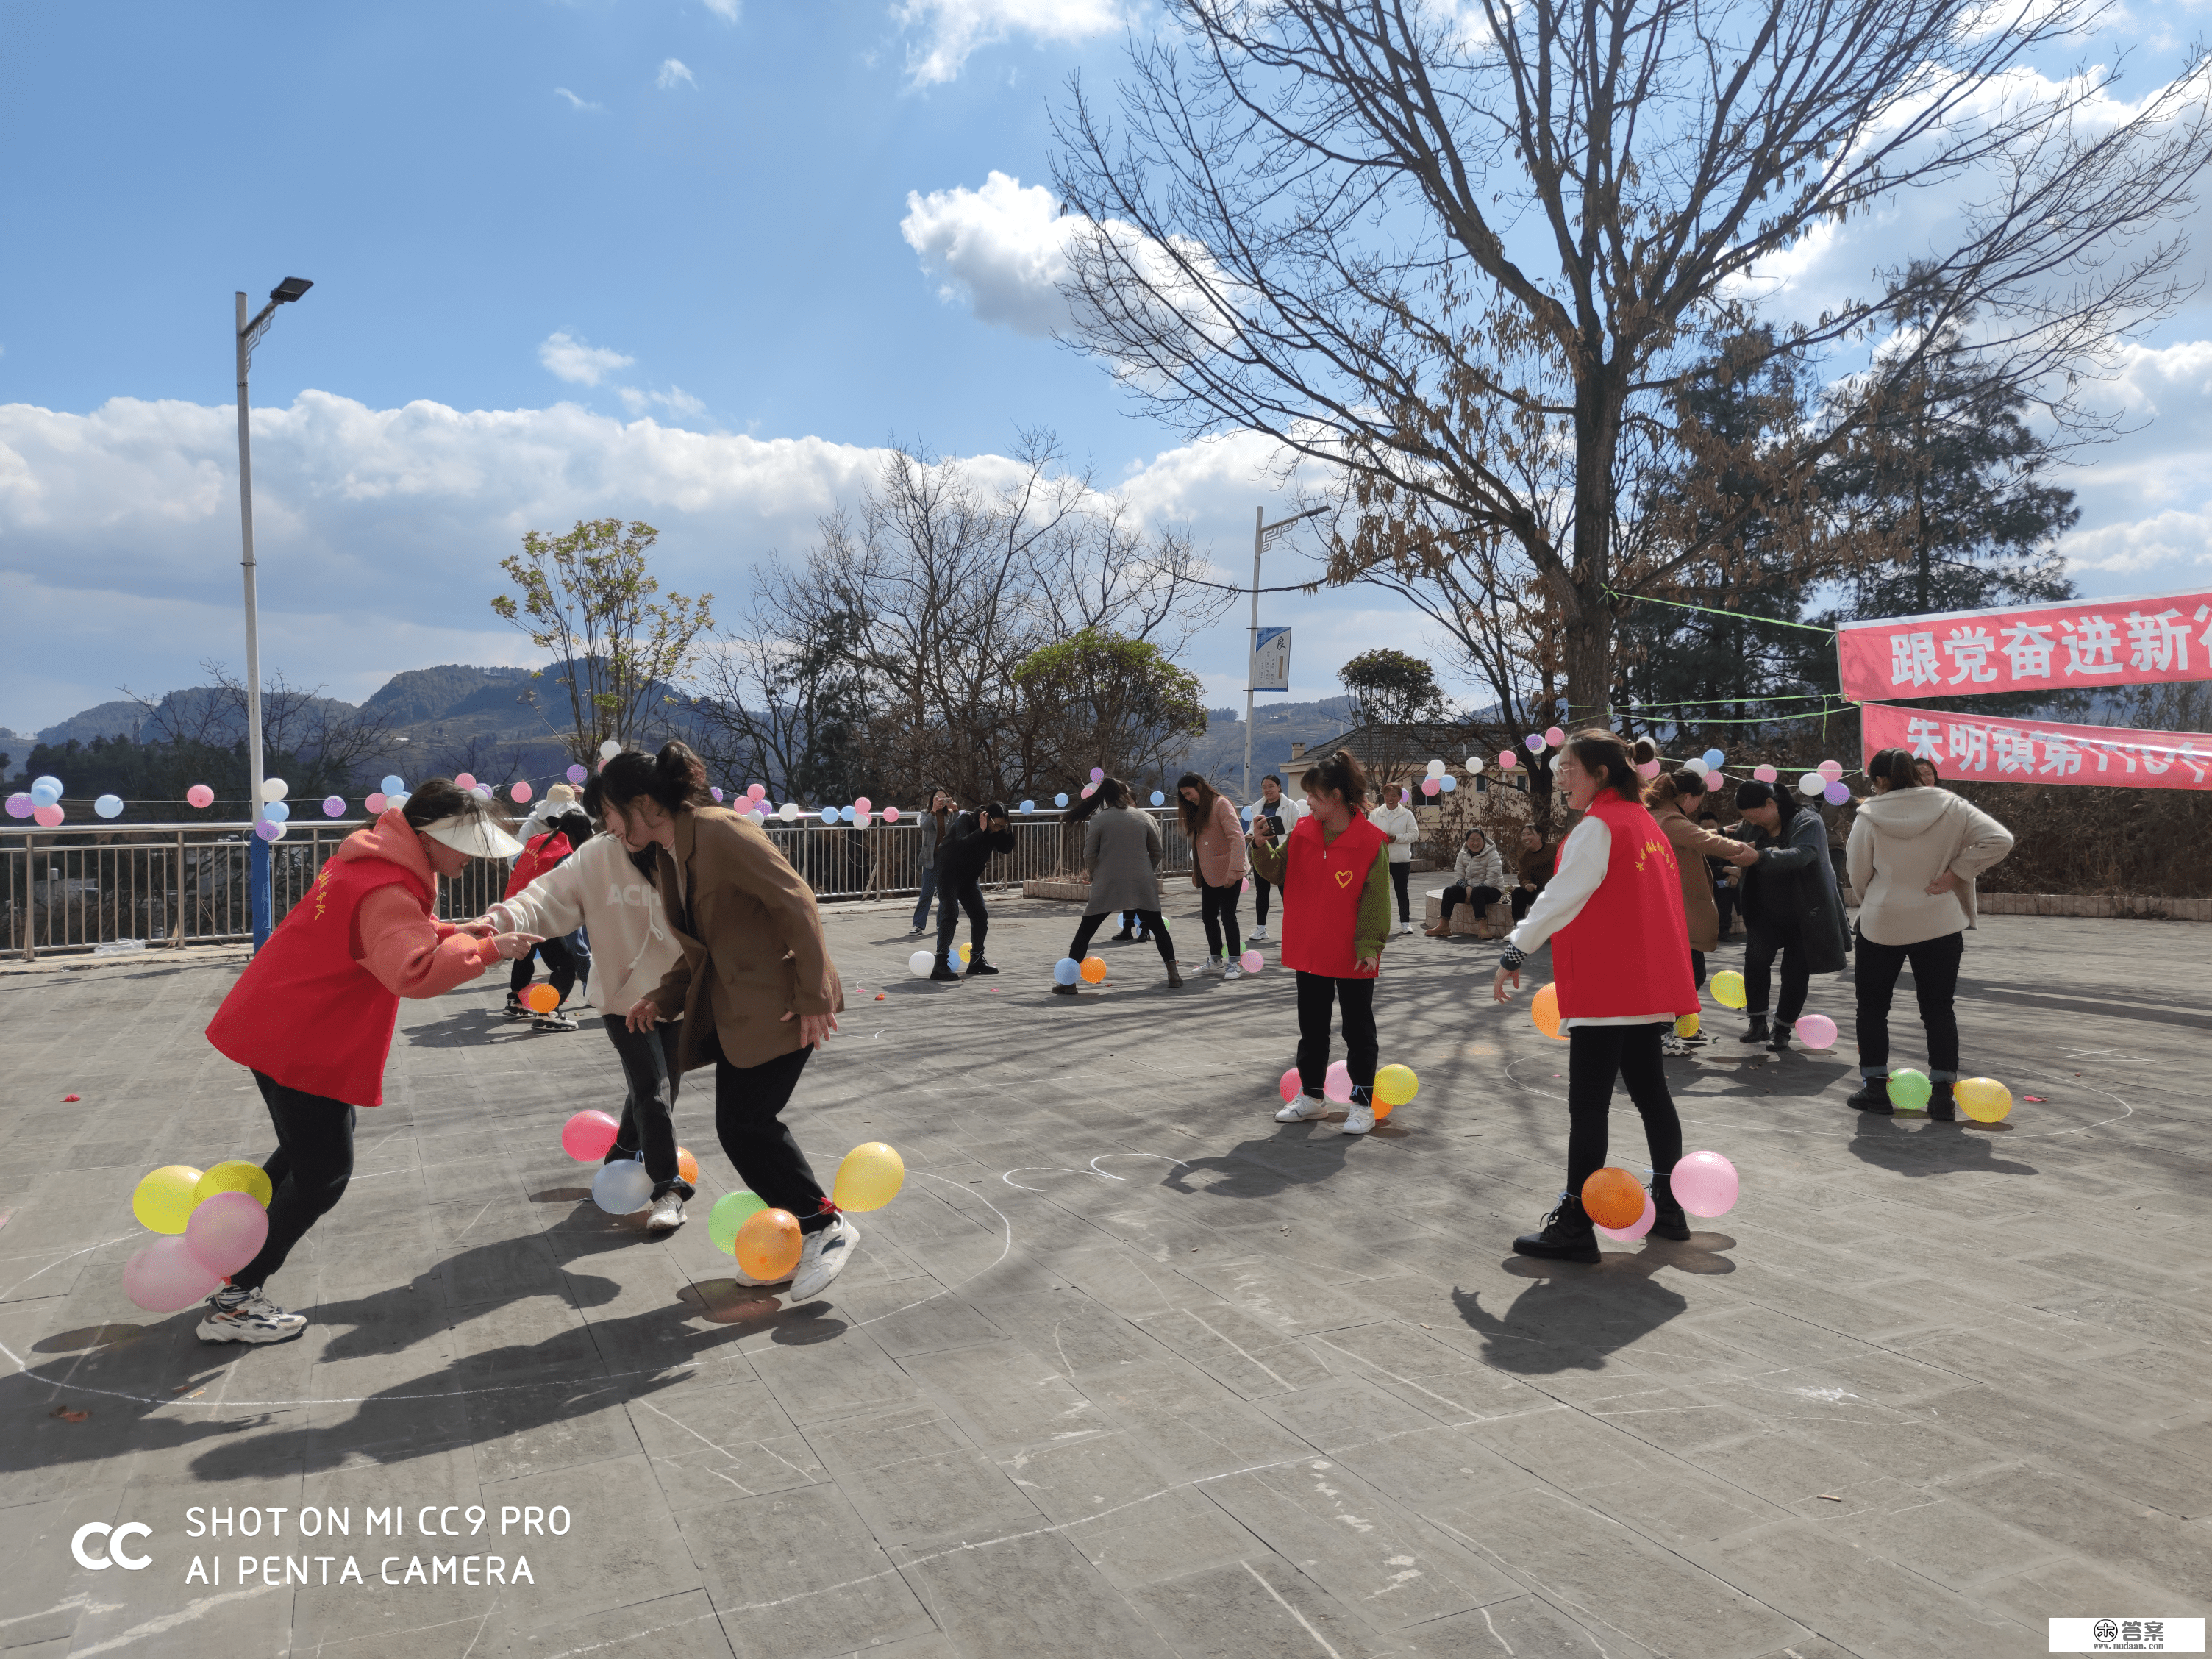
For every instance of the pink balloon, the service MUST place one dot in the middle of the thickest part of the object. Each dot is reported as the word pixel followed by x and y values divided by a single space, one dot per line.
pixel 464 780
pixel 1553 736
pixel 891 815
pixel 757 790
pixel 373 805
pixel 1704 1183
pixel 1764 774
pixel 1508 759
pixel 521 792
pixel 864 805
pixel 1337 1085
pixel 333 806
pixel 1290 1088
pixel 577 774
pixel 1648 769
pixel 1830 770
pixel 586 1136
pixel 47 816
pixel 1636 1229
pixel 1251 961
pixel 1816 1030
pixel 1245 887
pixel 19 805
pixel 201 796
pixel 164 1276
pixel 226 1231
pixel 1087 790
pixel 1430 786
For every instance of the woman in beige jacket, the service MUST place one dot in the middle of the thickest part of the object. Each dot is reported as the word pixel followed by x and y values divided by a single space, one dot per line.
pixel 1218 866
pixel 755 985
pixel 1913 855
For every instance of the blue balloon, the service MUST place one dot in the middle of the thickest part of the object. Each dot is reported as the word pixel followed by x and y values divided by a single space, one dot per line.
pixel 50 781
pixel 1158 799
pixel 1061 799
pixel 1029 806
pixel 1066 970
pixel 109 806
pixel 394 785
pixel 1714 757
pixel 45 793
pixel 1447 783
pixel 278 810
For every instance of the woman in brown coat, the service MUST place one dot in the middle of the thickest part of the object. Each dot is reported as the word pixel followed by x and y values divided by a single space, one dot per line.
pixel 1675 799
pixel 754 986
pixel 1218 866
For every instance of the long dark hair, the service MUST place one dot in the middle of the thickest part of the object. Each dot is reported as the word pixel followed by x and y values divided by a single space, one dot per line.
pixel 675 779
pixel 1110 791
pixel 1896 768
pixel 1341 772
pixel 1196 814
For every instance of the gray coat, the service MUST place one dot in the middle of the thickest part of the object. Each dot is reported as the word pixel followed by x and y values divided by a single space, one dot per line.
pixel 1791 891
pixel 1122 850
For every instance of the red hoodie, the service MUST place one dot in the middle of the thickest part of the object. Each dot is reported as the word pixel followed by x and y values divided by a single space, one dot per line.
pixel 315 1008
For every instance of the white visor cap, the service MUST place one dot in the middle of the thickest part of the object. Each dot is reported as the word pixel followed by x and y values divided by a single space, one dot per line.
pixel 474 834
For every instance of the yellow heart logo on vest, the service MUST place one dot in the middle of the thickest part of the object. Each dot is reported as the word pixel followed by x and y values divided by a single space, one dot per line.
pixel 1344 878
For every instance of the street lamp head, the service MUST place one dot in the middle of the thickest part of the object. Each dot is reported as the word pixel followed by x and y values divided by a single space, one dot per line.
pixel 289 289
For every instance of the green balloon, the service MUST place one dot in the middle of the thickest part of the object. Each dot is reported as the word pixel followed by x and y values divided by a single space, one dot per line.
pixel 1909 1090
pixel 731 1211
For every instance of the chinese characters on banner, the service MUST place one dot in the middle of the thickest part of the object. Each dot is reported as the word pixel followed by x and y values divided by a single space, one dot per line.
pixel 2055 647
pixel 1973 746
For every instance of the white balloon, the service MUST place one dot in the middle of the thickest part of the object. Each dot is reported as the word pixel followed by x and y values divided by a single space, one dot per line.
pixel 1811 784
pixel 622 1188
pixel 273 788
pixel 1473 765
pixel 920 963
pixel 610 749
pixel 1436 769
pixel 789 814
pixel 1696 764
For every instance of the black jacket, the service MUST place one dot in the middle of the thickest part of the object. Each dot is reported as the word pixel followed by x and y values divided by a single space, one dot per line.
pixel 968 846
pixel 1791 891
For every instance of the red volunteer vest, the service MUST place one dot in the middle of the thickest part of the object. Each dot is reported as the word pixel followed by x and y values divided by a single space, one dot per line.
pixel 540 855
pixel 1322 885
pixel 1628 952
pixel 304 1011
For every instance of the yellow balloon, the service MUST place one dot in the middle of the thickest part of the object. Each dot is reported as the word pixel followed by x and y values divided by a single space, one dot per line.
pixel 1728 988
pixel 1396 1085
pixel 1686 1026
pixel 1984 1099
pixel 163 1201
pixel 234 1175
pixel 1543 1009
pixel 869 1178
pixel 964 949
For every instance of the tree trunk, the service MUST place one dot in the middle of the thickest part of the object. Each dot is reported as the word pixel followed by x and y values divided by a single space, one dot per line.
pixel 1589 644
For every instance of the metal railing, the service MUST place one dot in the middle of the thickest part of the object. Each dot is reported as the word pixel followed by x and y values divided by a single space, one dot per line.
pixel 75 889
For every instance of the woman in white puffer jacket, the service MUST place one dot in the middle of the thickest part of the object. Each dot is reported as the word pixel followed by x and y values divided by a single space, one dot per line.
pixel 1913 854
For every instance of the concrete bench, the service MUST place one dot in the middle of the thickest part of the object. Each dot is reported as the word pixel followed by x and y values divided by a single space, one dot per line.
pixel 1465 922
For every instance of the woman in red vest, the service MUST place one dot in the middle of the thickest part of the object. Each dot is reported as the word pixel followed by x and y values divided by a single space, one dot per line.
pixel 312 1014
pixel 1334 872
pixel 1621 958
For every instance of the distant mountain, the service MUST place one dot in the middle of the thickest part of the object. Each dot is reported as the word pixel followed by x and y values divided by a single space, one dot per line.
pixel 424 693
pixel 1219 755
pixel 121 718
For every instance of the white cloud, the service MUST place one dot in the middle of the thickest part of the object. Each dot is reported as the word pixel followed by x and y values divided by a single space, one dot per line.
pixel 577 362
pixel 953 30
pixel 728 10
pixel 673 73
pixel 676 400
pixel 575 102
pixel 1003 249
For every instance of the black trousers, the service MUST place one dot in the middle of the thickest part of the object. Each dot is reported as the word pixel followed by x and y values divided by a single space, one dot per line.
pixel 1480 898
pixel 1151 919
pixel 1698 970
pixel 648 1113
pixel 1218 910
pixel 954 894
pixel 1762 943
pixel 1935 981
pixel 1724 901
pixel 1261 889
pixel 1596 1055
pixel 1522 898
pixel 308 1171
pixel 1400 870
pixel 1317 994
pixel 560 962
pixel 748 1102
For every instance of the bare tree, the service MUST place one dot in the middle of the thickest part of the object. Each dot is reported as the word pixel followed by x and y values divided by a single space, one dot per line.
pixel 1465 255
pixel 321 740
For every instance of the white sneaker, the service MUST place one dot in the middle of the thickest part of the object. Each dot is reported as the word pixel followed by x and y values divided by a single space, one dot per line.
pixel 823 1258
pixel 1303 1109
pixel 1257 936
pixel 1673 1048
pixel 558 1020
pixel 248 1316
pixel 1230 970
pixel 667 1212
pixel 1360 1120
pixel 1405 926
pixel 1214 966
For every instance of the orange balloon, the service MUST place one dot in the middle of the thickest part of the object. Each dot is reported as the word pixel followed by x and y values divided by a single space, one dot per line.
pixel 541 998
pixel 1543 1009
pixel 768 1244
pixel 1613 1198
pixel 1093 969
pixel 687 1166
pixel 1383 1108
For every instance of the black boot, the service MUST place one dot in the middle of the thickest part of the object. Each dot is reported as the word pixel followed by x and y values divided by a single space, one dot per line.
pixel 1943 1105
pixel 1872 1095
pixel 1779 1040
pixel 1175 979
pixel 942 969
pixel 1063 990
pixel 1566 1235
pixel 1757 1033
pixel 1669 1220
pixel 1125 933
pixel 977 966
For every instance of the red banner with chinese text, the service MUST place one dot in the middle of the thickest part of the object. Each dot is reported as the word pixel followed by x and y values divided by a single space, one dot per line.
pixel 1969 747
pixel 2041 648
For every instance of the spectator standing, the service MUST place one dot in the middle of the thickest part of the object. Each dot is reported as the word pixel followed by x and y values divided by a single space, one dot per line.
pixel 1267 819
pixel 932 826
pixel 1396 820
pixel 1218 866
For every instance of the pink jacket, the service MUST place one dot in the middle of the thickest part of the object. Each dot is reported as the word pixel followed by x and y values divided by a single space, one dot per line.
pixel 1220 846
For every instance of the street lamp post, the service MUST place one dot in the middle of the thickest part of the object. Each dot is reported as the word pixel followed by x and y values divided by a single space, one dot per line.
pixel 1262 534
pixel 249 334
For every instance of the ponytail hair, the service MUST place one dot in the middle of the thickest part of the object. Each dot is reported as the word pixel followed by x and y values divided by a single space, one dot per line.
pixel 1608 754
pixel 1341 774
pixel 1685 790
pixel 1110 791
pixel 675 778
pixel 1896 768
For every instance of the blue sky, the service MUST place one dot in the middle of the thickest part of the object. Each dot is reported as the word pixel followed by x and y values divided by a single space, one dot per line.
pixel 681 261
